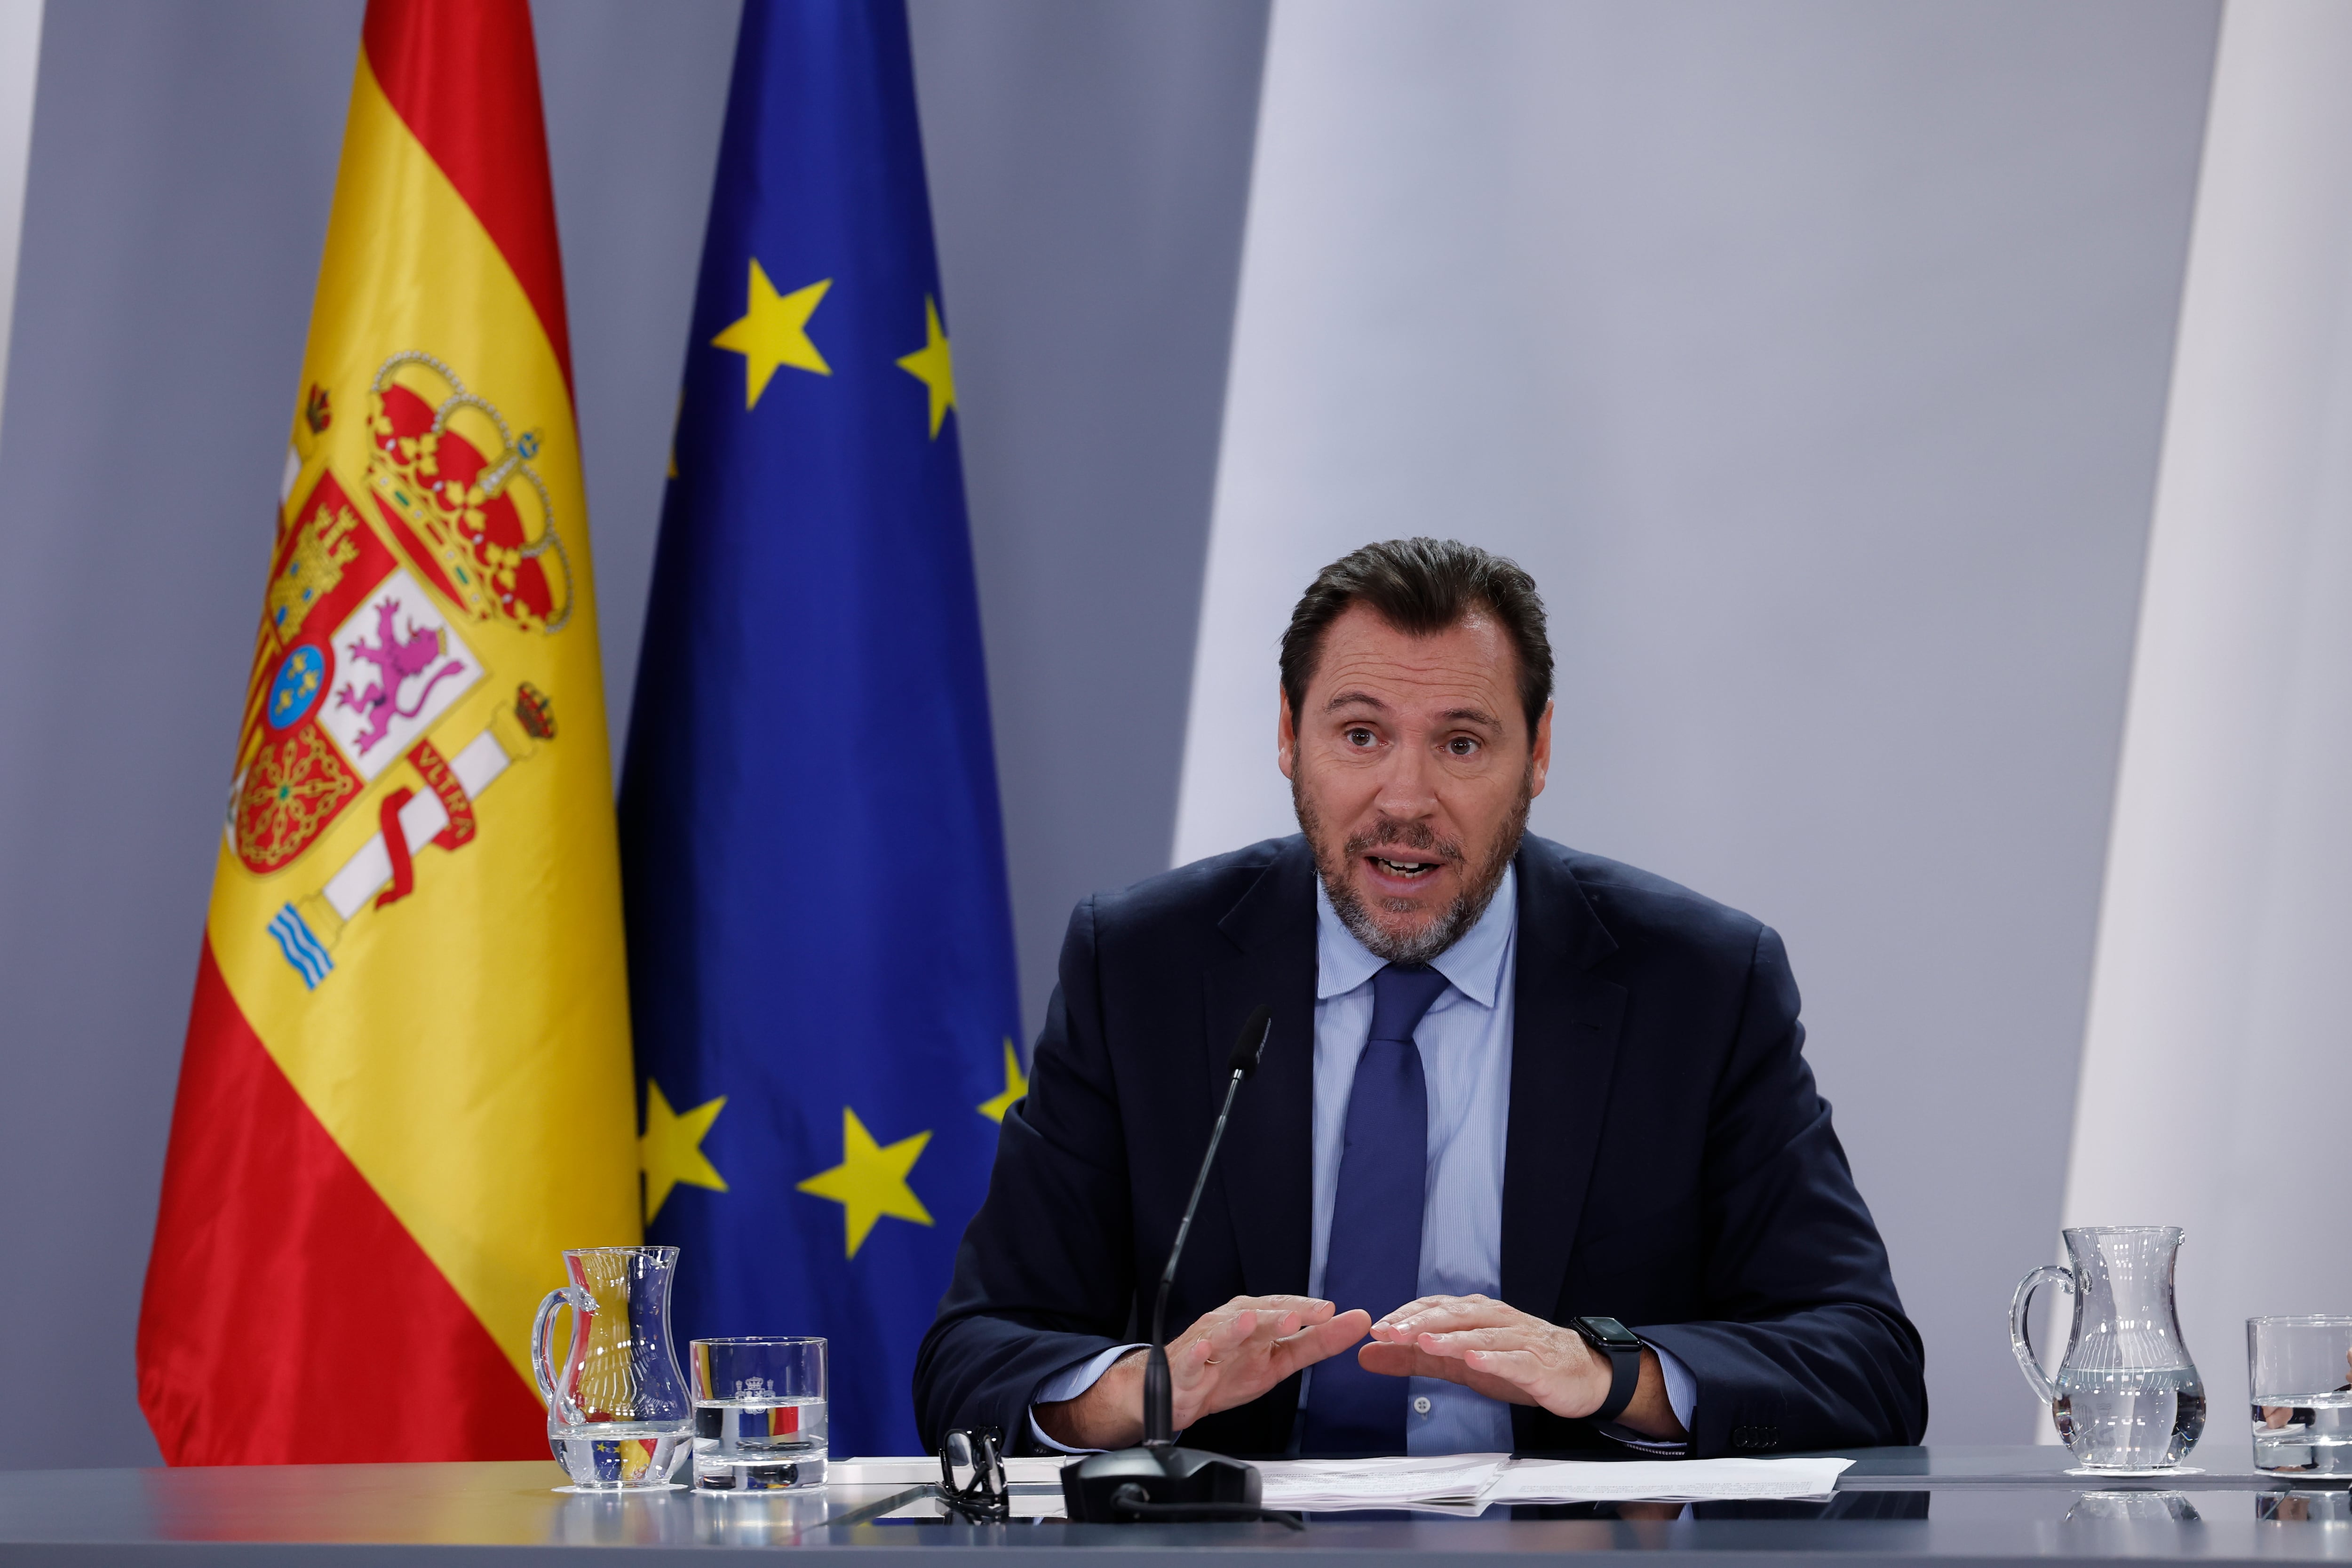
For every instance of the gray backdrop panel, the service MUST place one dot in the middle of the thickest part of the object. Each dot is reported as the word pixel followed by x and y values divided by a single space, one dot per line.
pixel 1090 171
pixel 1089 167
pixel 182 163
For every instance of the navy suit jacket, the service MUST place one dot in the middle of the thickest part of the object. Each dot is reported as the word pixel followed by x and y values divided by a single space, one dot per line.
pixel 1668 1160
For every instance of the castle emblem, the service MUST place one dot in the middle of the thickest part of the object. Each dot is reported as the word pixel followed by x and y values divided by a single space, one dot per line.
pixel 322 548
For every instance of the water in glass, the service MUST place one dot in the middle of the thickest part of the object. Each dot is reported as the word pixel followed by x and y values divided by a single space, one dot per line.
pixel 607 1455
pixel 2299 1371
pixel 759 1414
pixel 2135 1418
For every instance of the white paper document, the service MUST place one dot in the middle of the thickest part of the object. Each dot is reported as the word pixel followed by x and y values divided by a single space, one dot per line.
pixel 1446 1479
pixel 1473 1481
pixel 1665 1480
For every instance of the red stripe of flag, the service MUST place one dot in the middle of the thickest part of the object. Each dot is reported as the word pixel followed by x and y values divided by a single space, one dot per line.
pixel 463 75
pixel 289 1317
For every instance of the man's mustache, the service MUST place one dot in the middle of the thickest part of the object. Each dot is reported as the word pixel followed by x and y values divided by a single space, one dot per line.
pixel 1387 832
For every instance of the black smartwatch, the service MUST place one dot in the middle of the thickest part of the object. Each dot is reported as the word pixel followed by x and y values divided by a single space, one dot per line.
pixel 1623 1349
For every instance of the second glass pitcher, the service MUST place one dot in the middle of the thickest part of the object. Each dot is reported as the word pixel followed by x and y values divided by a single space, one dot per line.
pixel 2126 1396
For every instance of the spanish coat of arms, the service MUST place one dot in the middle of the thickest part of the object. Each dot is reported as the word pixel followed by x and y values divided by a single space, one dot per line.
pixel 362 647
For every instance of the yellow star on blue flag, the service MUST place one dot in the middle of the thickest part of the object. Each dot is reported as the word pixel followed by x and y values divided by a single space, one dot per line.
pixel 933 365
pixel 1016 1084
pixel 773 331
pixel 669 1151
pixel 871 1180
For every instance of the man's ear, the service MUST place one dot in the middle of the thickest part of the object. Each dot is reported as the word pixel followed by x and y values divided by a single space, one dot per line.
pixel 1286 733
pixel 1539 758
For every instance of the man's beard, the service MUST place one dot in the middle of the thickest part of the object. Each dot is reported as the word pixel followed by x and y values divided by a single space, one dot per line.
pixel 1453 921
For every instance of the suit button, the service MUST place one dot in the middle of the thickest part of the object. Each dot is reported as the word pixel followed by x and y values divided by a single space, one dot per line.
pixel 1421 1405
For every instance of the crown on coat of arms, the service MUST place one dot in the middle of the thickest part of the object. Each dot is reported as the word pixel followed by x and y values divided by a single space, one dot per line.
pixel 445 465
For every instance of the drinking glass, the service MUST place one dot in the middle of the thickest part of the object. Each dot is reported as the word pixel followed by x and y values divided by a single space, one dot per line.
pixel 2299 1371
pixel 759 1414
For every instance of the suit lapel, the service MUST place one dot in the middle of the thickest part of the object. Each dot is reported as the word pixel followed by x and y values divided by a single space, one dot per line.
pixel 1563 1055
pixel 1267 1161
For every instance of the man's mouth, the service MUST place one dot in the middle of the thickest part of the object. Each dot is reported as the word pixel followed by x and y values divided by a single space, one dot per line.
pixel 1408 869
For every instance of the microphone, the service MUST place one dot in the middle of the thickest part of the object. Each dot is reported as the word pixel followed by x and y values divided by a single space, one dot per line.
pixel 1158 1479
pixel 1159 1403
pixel 1249 1047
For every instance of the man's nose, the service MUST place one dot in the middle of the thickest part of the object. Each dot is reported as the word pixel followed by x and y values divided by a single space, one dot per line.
pixel 1408 783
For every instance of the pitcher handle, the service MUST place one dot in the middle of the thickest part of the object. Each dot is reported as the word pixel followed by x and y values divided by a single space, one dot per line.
pixel 2020 1340
pixel 542 1354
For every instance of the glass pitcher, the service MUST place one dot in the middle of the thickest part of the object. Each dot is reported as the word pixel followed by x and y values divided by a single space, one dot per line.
pixel 617 1413
pixel 2126 1396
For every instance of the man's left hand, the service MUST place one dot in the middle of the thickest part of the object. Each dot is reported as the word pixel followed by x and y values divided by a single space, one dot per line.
pixel 1493 1349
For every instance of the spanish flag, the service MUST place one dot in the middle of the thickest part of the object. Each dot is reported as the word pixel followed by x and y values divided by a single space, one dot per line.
pixel 406 1084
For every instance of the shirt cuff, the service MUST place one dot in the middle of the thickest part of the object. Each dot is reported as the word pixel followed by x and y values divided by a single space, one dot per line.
pixel 1071 1381
pixel 1682 1398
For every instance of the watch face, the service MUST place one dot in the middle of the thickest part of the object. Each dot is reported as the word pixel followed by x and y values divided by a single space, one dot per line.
pixel 1609 1331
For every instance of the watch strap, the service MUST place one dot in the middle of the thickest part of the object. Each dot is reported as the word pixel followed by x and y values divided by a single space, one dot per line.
pixel 1624 1374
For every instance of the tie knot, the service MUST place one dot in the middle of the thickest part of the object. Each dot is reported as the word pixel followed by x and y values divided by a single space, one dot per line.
pixel 1400 994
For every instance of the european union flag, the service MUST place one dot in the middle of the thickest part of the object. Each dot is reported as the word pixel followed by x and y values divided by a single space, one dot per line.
pixel 820 945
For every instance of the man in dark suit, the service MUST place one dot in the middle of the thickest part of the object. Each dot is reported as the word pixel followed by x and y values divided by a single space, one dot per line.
pixel 1514 1099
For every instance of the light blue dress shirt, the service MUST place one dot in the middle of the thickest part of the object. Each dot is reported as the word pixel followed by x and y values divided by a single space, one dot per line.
pixel 1466 1061
pixel 1464 1040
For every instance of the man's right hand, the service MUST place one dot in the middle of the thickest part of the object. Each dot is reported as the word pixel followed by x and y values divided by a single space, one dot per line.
pixel 1228 1357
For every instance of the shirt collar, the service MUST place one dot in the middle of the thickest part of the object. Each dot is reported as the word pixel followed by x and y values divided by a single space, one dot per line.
pixel 1473 966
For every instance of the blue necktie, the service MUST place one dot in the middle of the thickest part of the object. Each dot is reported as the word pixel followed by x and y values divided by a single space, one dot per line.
pixel 1374 1259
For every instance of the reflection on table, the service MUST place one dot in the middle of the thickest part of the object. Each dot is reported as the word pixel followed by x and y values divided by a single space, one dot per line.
pixel 1893 1506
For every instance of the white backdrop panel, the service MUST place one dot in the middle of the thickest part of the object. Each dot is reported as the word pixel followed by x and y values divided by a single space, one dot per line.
pixel 2217 1023
pixel 1812 357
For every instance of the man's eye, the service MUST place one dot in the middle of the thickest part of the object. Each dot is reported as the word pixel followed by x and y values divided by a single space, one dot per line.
pixel 1358 737
pixel 1462 746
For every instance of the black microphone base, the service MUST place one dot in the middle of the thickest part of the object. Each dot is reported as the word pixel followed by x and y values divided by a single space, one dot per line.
pixel 1095 1489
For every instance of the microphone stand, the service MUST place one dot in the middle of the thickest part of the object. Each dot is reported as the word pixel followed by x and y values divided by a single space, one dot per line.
pixel 1158 1479
pixel 1158 1391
